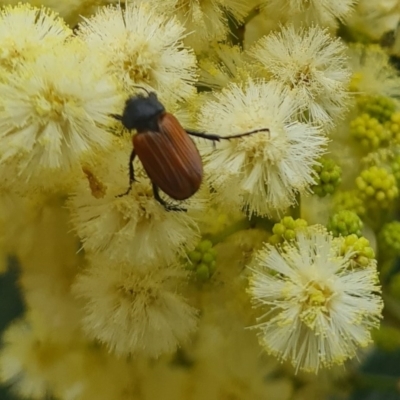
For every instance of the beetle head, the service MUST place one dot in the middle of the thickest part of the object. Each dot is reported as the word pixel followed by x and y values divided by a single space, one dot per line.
pixel 141 113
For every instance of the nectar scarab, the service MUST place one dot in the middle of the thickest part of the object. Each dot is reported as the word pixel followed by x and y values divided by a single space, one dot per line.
pixel 167 152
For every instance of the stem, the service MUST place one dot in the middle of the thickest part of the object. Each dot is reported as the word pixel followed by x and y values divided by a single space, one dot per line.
pixel 253 13
pixel 237 31
pixel 391 312
pixel 387 267
pixel 296 213
pixel 230 230
pixel 265 224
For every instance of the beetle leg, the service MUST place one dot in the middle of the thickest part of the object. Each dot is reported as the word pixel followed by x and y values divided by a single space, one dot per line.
pixel 131 173
pixel 116 116
pixel 131 170
pixel 167 206
pixel 217 138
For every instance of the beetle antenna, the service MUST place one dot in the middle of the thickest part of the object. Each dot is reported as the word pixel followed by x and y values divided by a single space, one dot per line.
pixel 217 138
pixel 143 88
pixel 239 135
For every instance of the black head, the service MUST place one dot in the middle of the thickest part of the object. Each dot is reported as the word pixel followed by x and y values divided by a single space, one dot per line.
pixel 141 113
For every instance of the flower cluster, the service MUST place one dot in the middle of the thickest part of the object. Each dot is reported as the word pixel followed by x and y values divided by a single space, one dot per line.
pixel 286 137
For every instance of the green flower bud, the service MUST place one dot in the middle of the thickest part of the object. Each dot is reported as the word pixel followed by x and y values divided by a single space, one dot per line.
pixel 378 107
pixel 204 245
pixel 329 176
pixel 212 267
pixel 377 187
pixel 202 272
pixel 393 127
pixel 389 239
pixel 286 229
pixel 194 256
pixel 395 166
pixel 349 200
pixel 364 253
pixel 207 258
pixel 202 260
pixel 369 132
pixel 345 223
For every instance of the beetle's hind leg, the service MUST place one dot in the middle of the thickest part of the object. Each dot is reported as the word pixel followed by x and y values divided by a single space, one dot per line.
pixel 167 206
pixel 131 174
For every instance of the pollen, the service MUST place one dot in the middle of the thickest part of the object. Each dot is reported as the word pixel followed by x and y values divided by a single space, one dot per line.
pixel 50 104
pixel 316 301
pixel 9 53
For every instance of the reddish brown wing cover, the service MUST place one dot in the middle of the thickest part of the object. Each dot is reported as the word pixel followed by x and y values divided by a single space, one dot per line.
pixel 170 158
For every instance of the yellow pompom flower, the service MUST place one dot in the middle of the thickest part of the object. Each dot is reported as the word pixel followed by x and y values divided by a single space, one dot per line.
pixel 31 359
pixel 372 72
pixel 320 307
pixel 321 12
pixel 25 33
pixel 54 112
pixel 133 227
pixel 135 310
pixel 71 11
pixel 264 171
pixel 312 65
pixel 224 64
pixel 142 46
pixel 204 20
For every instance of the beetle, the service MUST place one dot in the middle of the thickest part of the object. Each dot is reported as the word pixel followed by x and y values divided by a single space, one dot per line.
pixel 167 152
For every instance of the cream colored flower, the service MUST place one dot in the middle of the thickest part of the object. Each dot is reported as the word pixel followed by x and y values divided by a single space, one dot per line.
pixel 264 171
pixel 135 227
pixel 142 46
pixel 71 11
pixel 133 310
pixel 372 73
pixel 205 20
pixel 94 373
pixel 25 33
pixel 224 64
pixel 31 359
pixel 318 307
pixel 54 112
pixel 311 64
pixel 374 18
pixel 321 12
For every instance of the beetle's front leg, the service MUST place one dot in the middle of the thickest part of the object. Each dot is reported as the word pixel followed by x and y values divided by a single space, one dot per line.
pixel 131 173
